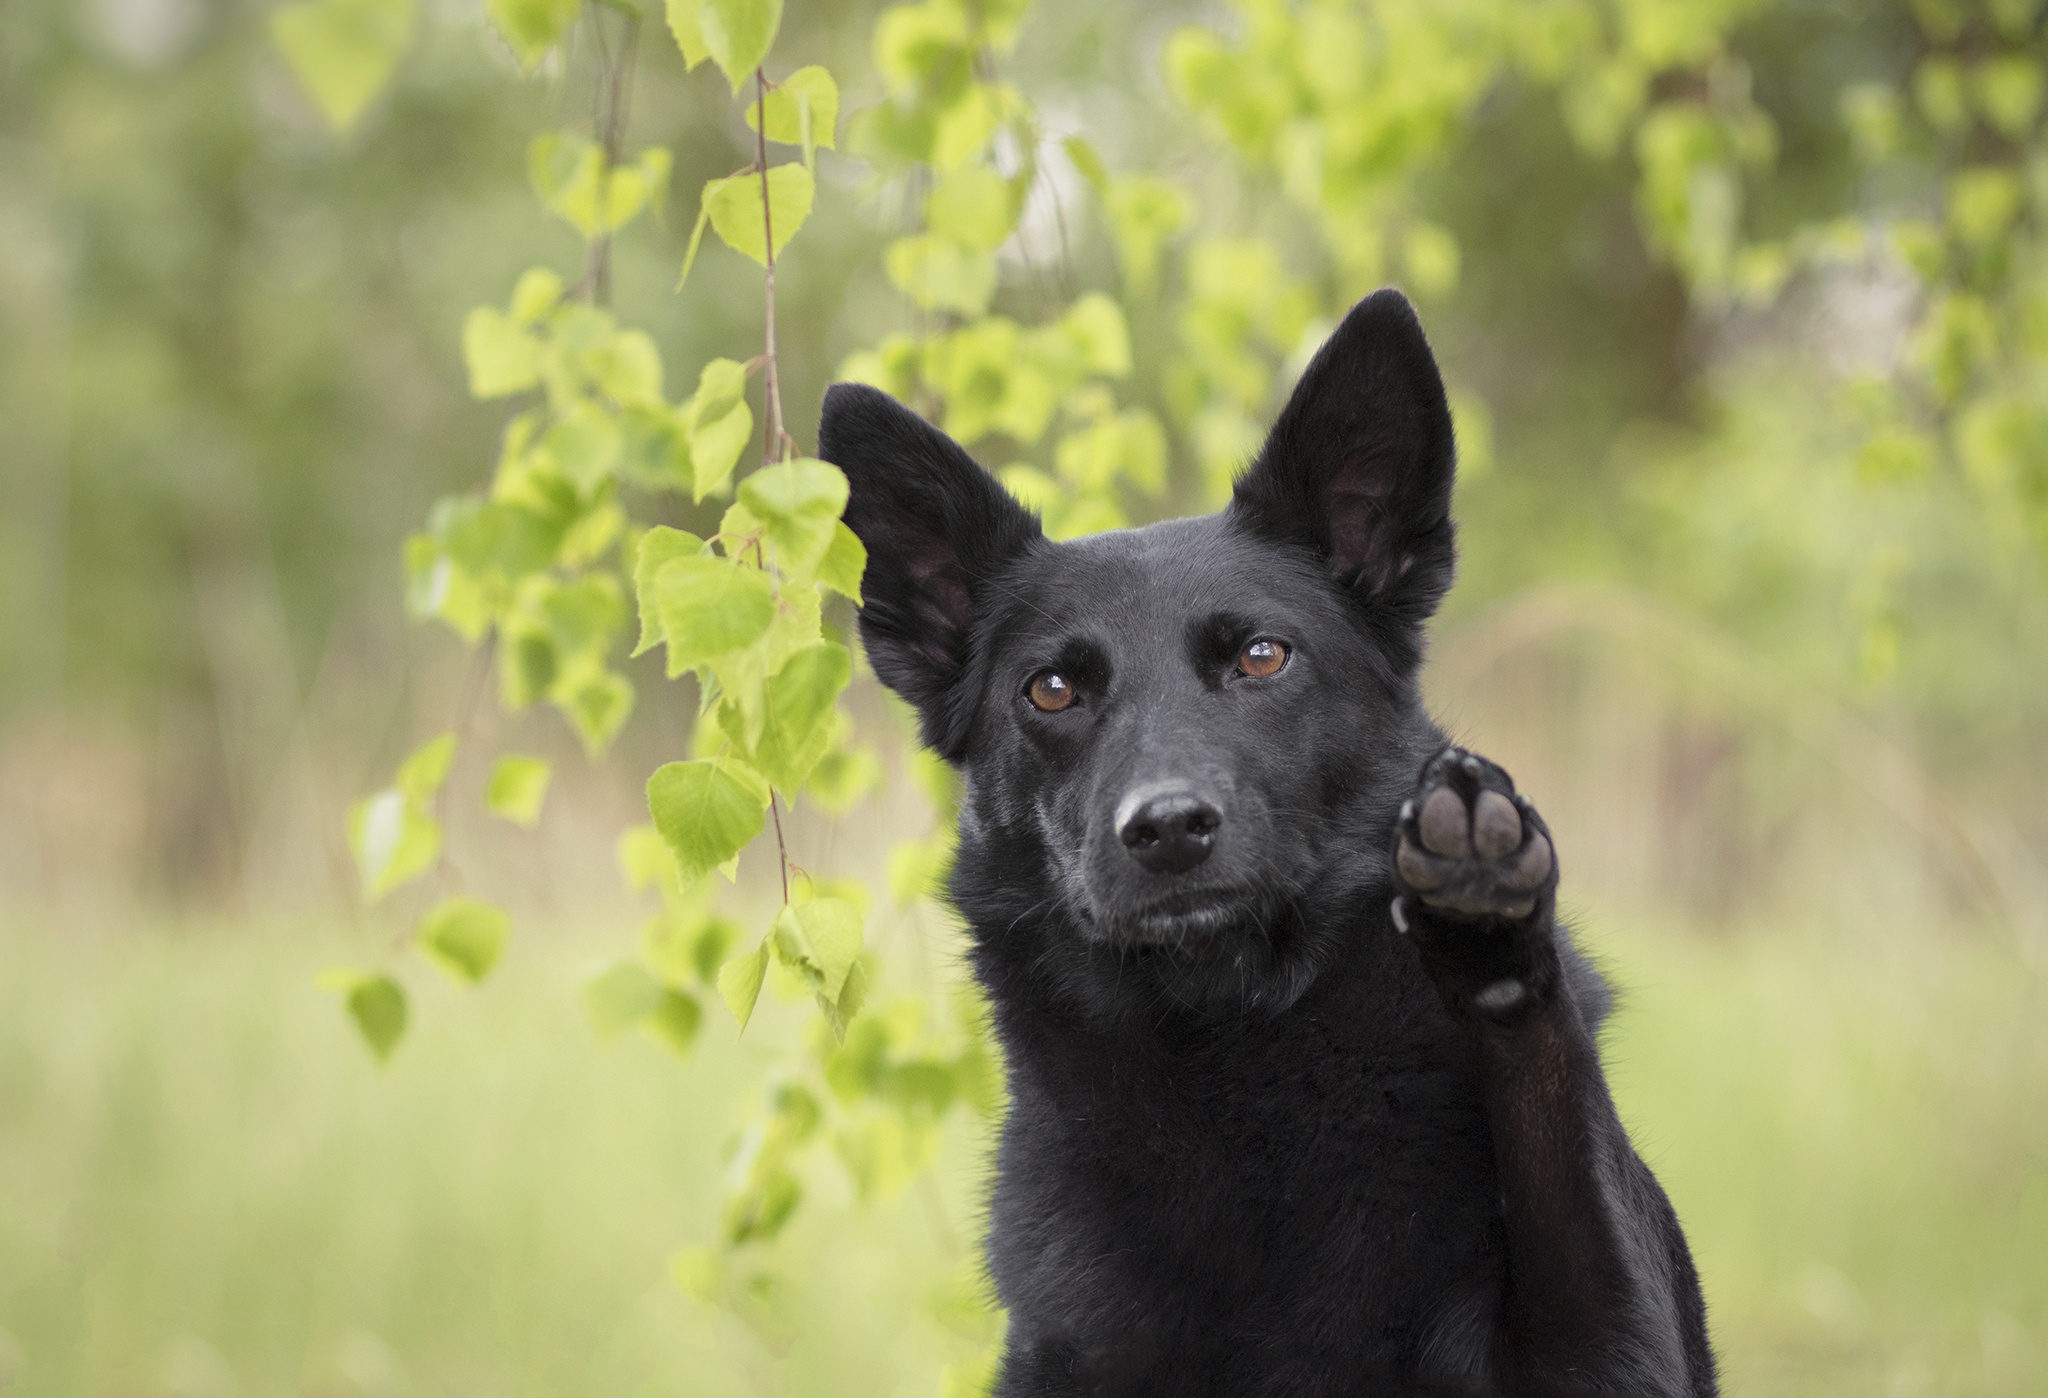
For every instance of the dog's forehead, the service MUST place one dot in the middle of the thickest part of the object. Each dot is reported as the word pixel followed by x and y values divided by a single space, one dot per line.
pixel 1154 579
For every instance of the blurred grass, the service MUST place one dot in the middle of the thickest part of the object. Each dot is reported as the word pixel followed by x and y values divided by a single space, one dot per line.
pixel 206 1187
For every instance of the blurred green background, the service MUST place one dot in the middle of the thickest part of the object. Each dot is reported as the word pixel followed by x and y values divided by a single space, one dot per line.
pixel 1783 695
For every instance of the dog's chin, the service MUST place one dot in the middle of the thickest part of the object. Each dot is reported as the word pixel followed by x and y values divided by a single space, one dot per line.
pixel 1188 924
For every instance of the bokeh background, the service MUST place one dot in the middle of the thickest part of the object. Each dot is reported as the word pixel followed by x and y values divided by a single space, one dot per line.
pixel 1751 601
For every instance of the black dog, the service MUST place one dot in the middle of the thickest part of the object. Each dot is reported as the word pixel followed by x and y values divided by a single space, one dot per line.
pixel 1305 1098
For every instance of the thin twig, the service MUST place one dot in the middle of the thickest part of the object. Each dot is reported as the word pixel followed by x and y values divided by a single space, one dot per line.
pixel 611 107
pixel 781 845
pixel 772 435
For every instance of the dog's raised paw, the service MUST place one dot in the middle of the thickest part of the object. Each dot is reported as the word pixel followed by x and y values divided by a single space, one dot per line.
pixel 1470 846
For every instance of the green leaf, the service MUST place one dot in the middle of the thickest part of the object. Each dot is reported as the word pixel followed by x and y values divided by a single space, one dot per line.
pixel 803 110
pixel 708 811
pixel 758 1211
pixel 584 445
pixel 567 173
pixel 644 858
pixel 844 563
pixel 2009 91
pixel 822 938
pixel 674 1020
pixel 738 34
pixel 1431 254
pixel 375 1002
pixel 739 983
pixel 842 778
pixel 464 937
pixel 940 275
pixel 344 51
pixel 657 546
pixel 1085 160
pixel 518 787
pixel 797 727
pixel 394 841
pixel 708 606
pixel 628 370
pixel 696 241
pixel 798 502
pixel 426 767
pixel 640 185
pixel 1096 326
pixel 532 27
pixel 501 357
pixel 1144 211
pixel 620 996
pixel 719 424
pixel 974 207
pixel 708 949
pixel 697 1272
pixel 539 290
pixel 597 707
pixel 689 33
pixel 918 46
pixel 733 205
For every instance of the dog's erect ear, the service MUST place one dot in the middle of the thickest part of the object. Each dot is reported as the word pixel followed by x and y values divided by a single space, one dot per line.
pixel 937 528
pixel 1359 465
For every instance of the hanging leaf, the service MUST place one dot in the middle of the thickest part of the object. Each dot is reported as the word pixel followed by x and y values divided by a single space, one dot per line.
pixel 375 1002
pixel 619 996
pixel 974 207
pixel 708 811
pixel 733 205
pixel 393 834
pixel 657 546
pixel 738 34
pixel 719 424
pixel 844 563
pixel 1095 326
pixel 689 33
pixel 822 938
pixel 344 51
pixel 708 606
pixel 538 291
pixel 940 275
pixel 697 1272
pixel 797 727
pixel 1085 160
pixel 464 937
pixel 502 358
pixel 798 502
pixel 597 707
pixel 739 983
pixel 518 787
pixel 803 110
pixel 644 858
pixel 674 1020
pixel 532 27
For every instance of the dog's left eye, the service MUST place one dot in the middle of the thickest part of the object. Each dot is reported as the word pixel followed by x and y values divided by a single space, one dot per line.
pixel 1050 691
pixel 1261 658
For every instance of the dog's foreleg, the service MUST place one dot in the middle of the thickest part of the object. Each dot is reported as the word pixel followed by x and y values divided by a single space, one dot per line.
pixel 1600 1291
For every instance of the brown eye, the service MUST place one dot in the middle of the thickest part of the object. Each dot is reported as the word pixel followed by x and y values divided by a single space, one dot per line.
pixel 1262 658
pixel 1050 691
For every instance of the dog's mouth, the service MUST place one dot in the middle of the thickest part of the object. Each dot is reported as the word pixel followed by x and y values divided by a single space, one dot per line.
pixel 1188 921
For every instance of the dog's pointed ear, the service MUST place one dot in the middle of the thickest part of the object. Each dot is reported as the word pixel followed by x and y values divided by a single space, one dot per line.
pixel 1359 465
pixel 937 528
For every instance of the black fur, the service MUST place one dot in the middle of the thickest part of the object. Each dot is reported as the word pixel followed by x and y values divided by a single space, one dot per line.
pixel 1302 1118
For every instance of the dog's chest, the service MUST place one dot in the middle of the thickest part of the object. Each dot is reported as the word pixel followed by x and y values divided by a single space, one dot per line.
pixel 1327 1172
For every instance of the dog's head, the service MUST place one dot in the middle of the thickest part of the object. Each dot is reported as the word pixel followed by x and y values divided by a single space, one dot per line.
pixel 1182 745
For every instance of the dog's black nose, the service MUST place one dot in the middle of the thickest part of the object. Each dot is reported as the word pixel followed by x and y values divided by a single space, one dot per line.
pixel 1168 830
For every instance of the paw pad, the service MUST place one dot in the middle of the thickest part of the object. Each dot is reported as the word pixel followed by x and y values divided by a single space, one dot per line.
pixel 1468 844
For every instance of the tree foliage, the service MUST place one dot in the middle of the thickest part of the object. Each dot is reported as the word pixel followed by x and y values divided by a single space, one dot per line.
pixel 1347 121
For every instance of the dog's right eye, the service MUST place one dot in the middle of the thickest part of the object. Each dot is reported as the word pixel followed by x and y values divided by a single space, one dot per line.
pixel 1050 691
